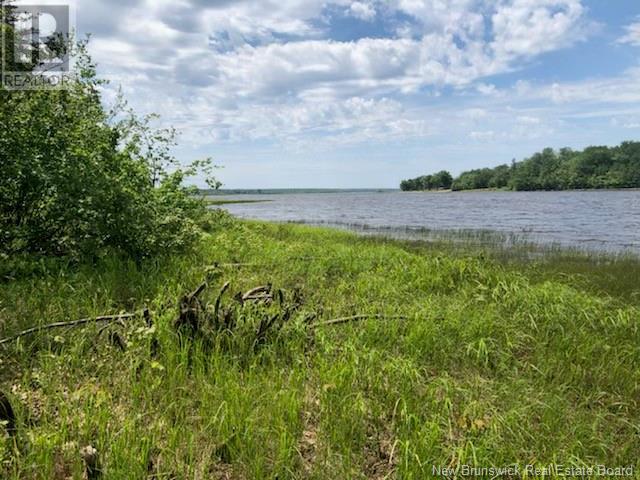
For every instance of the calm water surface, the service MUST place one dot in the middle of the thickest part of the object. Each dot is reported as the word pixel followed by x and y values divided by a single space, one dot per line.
pixel 591 220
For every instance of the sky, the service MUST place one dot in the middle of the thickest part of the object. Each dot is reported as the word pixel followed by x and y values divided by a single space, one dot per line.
pixel 365 93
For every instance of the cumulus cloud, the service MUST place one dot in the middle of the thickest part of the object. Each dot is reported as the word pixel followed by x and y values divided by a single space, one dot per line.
pixel 531 27
pixel 225 71
pixel 363 11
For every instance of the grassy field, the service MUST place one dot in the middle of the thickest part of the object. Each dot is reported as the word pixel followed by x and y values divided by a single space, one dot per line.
pixel 494 362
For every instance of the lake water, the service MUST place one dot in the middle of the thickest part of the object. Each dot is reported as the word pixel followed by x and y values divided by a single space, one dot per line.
pixel 590 220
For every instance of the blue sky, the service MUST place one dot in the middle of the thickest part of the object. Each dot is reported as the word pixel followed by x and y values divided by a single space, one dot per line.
pixel 344 93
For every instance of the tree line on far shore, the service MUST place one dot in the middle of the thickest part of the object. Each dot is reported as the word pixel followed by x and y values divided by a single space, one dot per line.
pixel 565 169
pixel 439 181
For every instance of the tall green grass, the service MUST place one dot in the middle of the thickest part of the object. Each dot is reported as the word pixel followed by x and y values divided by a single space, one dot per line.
pixel 497 363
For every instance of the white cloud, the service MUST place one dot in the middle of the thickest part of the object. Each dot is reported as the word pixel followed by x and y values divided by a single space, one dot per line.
pixel 530 27
pixel 527 120
pixel 474 113
pixel 616 90
pixel 363 11
pixel 487 89
pixel 632 37
pixel 235 71
pixel 267 46
pixel 462 17
pixel 483 135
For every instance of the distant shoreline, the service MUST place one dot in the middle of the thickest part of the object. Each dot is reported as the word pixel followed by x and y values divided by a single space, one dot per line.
pixel 225 193
pixel 282 191
pixel 479 190
pixel 594 168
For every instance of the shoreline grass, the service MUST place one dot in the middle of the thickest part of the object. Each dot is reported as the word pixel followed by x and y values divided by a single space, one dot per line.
pixel 497 364
pixel 612 273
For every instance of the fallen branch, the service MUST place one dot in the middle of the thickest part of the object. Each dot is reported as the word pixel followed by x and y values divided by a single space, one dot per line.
pixel 75 323
pixel 216 310
pixel 237 265
pixel 257 292
pixel 256 264
pixel 198 291
pixel 356 318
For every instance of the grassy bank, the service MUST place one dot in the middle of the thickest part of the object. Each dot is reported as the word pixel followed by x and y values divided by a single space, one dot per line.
pixel 494 364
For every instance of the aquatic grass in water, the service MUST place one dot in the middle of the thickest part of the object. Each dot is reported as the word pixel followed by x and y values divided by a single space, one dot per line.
pixel 498 362
pixel 613 273
pixel 592 220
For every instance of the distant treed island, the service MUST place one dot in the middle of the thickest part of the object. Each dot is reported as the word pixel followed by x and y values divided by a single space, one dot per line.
pixel 566 169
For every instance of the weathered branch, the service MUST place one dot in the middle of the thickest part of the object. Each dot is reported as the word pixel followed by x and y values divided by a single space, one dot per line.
pixel 198 291
pixel 190 309
pixel 256 264
pixel 257 291
pixel 216 310
pixel 356 318
pixel 75 323
pixel 237 265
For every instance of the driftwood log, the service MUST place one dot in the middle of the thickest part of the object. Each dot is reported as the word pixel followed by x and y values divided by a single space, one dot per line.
pixel 193 313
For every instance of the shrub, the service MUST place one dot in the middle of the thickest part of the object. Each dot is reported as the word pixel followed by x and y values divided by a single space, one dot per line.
pixel 77 180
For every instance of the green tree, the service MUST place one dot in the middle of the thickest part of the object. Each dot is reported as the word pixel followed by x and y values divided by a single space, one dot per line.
pixel 442 179
pixel 78 180
pixel 500 177
pixel 439 180
pixel 594 167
